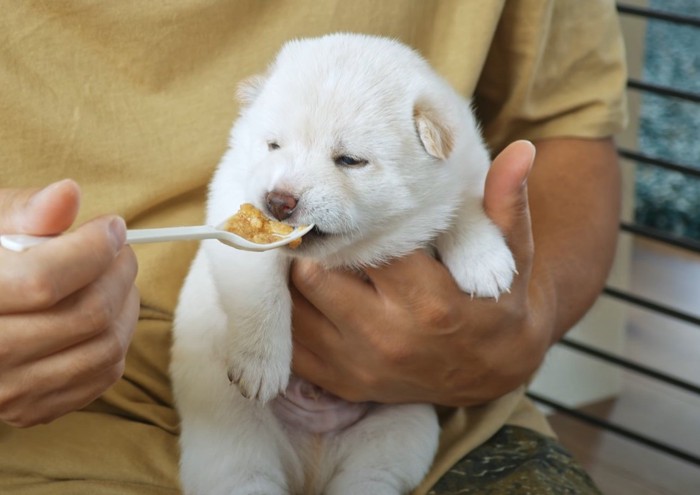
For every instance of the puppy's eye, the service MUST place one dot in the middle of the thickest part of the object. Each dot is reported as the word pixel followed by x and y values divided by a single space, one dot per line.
pixel 272 145
pixel 349 161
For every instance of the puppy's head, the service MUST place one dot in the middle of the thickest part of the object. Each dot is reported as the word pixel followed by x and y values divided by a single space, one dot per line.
pixel 355 134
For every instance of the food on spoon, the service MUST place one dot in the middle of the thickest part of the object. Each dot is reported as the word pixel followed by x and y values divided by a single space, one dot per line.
pixel 250 223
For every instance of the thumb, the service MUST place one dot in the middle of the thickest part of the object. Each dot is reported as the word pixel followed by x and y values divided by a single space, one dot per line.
pixel 506 200
pixel 505 191
pixel 46 211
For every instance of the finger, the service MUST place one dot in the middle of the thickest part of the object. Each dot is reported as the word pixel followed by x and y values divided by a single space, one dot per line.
pixel 80 317
pixel 315 340
pixel 307 364
pixel 308 323
pixel 397 279
pixel 45 405
pixel 105 350
pixel 60 402
pixel 315 369
pixel 40 277
pixel 334 293
pixel 506 199
pixel 54 397
pixel 46 211
pixel 40 391
pixel 505 191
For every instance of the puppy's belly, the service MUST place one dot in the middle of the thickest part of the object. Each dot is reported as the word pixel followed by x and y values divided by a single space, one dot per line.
pixel 309 408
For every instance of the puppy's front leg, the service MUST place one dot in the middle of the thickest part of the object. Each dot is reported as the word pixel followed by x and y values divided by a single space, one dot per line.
pixel 253 292
pixel 229 445
pixel 260 352
pixel 476 253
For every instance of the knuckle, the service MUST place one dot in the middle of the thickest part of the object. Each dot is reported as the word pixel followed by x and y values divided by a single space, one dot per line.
pixel 306 274
pixel 97 310
pixel 111 372
pixel 131 262
pixel 11 410
pixel 40 416
pixel 16 421
pixel 103 363
pixel 397 354
pixel 25 420
pixel 116 372
pixel 8 398
pixel 37 287
pixel 437 314
pixel 114 351
pixel 118 350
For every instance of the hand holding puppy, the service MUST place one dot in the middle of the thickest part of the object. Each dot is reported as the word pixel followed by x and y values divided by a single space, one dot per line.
pixel 67 308
pixel 410 334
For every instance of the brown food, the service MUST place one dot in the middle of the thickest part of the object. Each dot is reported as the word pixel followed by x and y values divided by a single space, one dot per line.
pixel 251 224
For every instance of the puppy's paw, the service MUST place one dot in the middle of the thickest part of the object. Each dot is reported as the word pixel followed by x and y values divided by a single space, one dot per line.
pixel 258 377
pixel 486 269
pixel 489 276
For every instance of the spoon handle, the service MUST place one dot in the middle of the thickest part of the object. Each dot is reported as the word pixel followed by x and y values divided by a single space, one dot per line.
pixel 22 242
pixel 194 233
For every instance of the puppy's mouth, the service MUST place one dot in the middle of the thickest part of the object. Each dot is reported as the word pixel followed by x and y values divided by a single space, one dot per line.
pixel 313 237
pixel 315 234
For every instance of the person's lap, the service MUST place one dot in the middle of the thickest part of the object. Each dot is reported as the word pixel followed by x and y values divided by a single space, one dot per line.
pixel 516 461
pixel 42 460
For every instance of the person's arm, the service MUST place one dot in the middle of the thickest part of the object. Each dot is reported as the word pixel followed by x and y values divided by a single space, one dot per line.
pixel 68 307
pixel 575 197
pixel 410 335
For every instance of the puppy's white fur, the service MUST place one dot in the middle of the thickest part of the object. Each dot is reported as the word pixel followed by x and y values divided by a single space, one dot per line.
pixel 418 183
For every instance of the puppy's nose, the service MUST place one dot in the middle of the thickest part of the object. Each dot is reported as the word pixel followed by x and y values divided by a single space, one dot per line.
pixel 280 204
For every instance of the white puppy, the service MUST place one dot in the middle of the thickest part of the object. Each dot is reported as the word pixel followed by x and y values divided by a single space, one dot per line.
pixel 359 136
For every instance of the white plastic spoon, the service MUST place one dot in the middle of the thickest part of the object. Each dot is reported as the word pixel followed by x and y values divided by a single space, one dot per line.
pixel 21 242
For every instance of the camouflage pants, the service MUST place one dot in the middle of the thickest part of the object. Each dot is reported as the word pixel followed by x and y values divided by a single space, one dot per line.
pixel 517 461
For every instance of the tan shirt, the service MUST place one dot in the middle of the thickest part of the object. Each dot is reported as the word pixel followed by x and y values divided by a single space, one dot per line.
pixel 135 100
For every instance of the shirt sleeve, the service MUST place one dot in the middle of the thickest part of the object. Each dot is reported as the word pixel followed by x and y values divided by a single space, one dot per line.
pixel 555 69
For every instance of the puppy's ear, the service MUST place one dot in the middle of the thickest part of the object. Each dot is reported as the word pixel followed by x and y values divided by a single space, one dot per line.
pixel 249 88
pixel 435 135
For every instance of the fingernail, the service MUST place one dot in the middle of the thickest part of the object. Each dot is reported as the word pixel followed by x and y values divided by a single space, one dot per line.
pixel 533 152
pixel 117 232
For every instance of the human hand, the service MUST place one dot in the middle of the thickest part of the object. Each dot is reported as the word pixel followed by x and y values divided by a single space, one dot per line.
pixel 68 307
pixel 408 334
